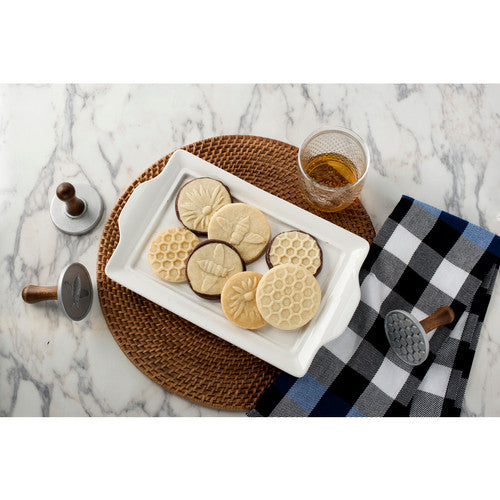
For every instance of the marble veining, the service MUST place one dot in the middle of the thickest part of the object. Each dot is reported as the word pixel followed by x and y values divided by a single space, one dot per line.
pixel 437 143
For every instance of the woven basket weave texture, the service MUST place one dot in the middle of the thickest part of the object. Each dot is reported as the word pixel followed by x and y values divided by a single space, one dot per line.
pixel 179 356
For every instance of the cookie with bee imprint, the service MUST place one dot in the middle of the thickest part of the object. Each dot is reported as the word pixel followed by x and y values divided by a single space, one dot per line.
pixel 244 227
pixel 210 265
pixel 198 200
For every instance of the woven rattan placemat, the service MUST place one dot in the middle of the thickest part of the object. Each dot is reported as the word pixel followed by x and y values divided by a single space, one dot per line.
pixel 179 356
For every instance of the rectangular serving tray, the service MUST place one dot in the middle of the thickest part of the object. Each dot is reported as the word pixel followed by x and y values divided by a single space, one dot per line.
pixel 151 209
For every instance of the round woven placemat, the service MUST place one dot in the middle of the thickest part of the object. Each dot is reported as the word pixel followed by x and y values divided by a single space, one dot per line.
pixel 179 356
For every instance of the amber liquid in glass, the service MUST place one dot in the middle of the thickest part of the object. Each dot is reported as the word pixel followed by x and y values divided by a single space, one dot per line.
pixel 332 170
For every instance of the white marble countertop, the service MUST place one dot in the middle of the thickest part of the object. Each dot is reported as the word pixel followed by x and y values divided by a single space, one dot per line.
pixel 437 143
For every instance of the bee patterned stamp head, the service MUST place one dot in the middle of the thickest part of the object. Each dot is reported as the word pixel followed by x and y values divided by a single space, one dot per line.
pixel 238 300
pixel 210 265
pixel 198 200
pixel 243 226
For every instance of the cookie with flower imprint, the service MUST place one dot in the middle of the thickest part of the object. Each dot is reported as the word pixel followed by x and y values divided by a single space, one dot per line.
pixel 238 300
pixel 210 265
pixel 243 226
pixel 198 200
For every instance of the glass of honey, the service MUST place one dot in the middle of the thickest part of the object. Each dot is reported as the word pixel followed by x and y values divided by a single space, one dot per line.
pixel 332 169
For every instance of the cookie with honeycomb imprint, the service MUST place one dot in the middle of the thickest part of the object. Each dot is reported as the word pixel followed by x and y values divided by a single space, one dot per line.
pixel 210 265
pixel 238 300
pixel 295 247
pixel 169 251
pixel 288 296
pixel 243 226
pixel 198 200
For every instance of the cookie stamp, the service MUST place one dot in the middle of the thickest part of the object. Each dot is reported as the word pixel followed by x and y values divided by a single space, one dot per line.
pixel 288 296
pixel 243 226
pixel 210 265
pixel 238 300
pixel 198 200
pixel 295 247
pixel 169 251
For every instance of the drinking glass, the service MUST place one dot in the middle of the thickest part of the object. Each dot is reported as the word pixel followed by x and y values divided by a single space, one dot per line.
pixel 332 168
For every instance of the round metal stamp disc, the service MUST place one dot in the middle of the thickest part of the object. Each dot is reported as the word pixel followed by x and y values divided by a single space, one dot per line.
pixel 406 337
pixel 83 223
pixel 74 291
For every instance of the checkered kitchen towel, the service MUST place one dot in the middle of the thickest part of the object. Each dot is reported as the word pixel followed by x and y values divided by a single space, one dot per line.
pixel 422 258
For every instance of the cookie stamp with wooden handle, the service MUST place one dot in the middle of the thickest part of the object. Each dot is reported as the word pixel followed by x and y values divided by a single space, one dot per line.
pixel 76 209
pixel 408 337
pixel 73 292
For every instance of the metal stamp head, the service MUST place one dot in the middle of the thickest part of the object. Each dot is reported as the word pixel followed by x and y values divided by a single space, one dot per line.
pixel 74 291
pixel 406 337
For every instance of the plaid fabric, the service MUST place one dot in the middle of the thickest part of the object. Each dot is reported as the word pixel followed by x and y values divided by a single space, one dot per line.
pixel 422 258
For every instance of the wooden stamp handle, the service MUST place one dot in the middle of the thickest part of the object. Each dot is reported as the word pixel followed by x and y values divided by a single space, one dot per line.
pixel 74 205
pixel 32 293
pixel 443 315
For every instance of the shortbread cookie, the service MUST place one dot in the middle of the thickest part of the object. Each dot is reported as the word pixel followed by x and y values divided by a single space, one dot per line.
pixel 244 227
pixel 295 247
pixel 198 200
pixel 169 252
pixel 210 265
pixel 288 296
pixel 238 300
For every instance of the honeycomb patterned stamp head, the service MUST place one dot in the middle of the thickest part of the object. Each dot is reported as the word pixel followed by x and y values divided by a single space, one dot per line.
pixel 406 337
pixel 288 296
pixel 169 252
pixel 243 226
pixel 238 300
pixel 198 200
pixel 295 247
pixel 210 265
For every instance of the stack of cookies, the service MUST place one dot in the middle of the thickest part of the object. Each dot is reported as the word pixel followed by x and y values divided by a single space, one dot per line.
pixel 286 297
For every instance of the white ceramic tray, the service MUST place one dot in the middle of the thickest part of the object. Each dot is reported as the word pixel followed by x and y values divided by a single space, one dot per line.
pixel 151 208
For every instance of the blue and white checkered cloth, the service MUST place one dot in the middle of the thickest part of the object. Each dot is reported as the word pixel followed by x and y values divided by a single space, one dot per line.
pixel 421 259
